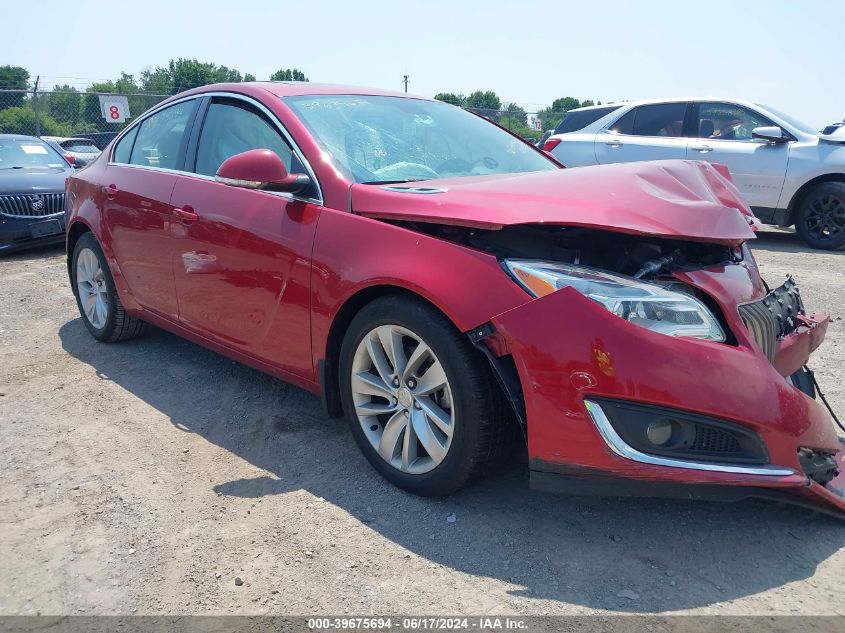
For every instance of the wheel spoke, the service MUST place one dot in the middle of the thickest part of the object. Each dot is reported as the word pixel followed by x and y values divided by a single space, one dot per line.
pixel 100 310
pixel 436 414
pixel 432 380
pixel 371 385
pixel 425 434
pixel 391 438
pixel 409 447
pixel 417 357
pixel 376 352
pixel 90 305
pixel 391 341
pixel 375 408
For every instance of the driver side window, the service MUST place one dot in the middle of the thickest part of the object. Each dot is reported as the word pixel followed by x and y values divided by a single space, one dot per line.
pixel 232 127
pixel 728 122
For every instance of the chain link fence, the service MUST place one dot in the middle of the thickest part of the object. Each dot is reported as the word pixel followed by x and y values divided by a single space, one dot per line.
pixel 78 114
pixel 89 115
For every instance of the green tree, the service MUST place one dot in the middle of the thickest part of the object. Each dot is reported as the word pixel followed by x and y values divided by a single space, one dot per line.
pixel 288 74
pixel 64 104
pixel 450 97
pixel 21 120
pixel 565 104
pixel 484 102
pixel 13 78
pixel 249 77
pixel 514 115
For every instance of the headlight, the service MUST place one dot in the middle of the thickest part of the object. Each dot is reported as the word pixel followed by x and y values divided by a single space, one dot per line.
pixel 648 305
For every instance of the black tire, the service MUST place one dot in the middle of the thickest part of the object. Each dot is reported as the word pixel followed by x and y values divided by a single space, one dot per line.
pixel 484 430
pixel 118 325
pixel 820 220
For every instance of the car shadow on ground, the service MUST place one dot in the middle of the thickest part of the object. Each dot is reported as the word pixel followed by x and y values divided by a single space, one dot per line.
pixel 34 253
pixel 630 555
pixel 779 240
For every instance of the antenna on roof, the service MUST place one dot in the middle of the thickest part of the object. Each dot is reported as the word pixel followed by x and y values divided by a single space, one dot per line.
pixel 405 81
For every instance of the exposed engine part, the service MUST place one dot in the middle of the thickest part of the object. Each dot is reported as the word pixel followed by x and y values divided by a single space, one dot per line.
pixel 634 255
pixel 818 466
pixel 654 266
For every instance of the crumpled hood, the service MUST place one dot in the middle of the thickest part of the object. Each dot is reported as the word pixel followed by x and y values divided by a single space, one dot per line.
pixel 671 198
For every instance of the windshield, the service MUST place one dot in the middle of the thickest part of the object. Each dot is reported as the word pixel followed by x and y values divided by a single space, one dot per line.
pixel 376 139
pixel 28 154
pixel 80 146
pixel 798 125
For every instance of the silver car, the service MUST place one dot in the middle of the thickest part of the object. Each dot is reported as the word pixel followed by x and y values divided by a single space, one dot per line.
pixel 77 151
pixel 789 173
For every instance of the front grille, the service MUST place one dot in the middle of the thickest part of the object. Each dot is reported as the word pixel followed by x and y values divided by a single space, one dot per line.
pixel 713 440
pixel 762 324
pixel 31 205
pixel 774 316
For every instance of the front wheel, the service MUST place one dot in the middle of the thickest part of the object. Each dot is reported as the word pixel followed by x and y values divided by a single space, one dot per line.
pixel 96 296
pixel 419 399
pixel 821 216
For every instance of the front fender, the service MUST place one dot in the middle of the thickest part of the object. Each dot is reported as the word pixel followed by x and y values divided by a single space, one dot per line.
pixel 352 253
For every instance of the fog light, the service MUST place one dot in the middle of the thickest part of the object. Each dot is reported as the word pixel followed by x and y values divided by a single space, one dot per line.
pixel 659 432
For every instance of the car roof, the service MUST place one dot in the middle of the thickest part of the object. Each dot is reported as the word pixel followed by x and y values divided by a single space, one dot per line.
pixel 300 89
pixel 18 137
pixel 640 102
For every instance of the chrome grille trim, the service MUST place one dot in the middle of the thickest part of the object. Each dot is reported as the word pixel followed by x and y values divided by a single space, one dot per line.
pixel 19 205
pixel 762 324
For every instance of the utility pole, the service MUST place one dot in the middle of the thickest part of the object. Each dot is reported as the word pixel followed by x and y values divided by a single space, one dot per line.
pixel 35 107
pixel 405 80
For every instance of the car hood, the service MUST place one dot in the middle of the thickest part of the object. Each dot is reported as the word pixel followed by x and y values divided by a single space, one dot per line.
pixel 33 180
pixel 674 198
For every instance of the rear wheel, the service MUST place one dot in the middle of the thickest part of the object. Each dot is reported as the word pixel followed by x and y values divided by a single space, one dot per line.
pixel 96 296
pixel 821 217
pixel 419 400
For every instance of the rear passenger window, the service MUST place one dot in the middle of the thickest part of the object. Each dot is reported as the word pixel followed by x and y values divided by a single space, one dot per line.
pixel 578 120
pixel 232 127
pixel 160 137
pixel 660 119
pixel 124 147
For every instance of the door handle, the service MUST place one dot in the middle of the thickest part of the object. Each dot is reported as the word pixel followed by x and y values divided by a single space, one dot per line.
pixel 186 213
pixel 613 143
pixel 701 148
pixel 110 191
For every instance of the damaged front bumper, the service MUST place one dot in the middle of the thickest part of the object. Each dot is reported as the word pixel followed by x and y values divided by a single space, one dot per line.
pixel 613 408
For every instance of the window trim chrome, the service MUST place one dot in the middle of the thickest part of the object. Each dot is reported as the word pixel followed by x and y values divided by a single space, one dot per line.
pixel 280 128
pixel 621 448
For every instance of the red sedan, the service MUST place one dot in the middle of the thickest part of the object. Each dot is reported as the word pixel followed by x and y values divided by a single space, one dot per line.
pixel 452 291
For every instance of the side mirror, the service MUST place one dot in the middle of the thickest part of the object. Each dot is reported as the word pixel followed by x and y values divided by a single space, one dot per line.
pixel 770 134
pixel 260 169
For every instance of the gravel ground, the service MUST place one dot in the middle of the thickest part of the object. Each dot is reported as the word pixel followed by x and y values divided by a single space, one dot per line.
pixel 147 477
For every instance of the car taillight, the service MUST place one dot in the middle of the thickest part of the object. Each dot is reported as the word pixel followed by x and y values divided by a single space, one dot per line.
pixel 550 144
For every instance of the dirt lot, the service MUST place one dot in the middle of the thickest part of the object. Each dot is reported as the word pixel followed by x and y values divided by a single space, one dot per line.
pixel 145 477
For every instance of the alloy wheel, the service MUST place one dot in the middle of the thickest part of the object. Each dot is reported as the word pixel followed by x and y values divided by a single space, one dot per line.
pixel 91 287
pixel 825 217
pixel 402 399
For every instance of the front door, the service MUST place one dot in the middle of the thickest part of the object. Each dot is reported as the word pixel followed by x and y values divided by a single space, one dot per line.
pixel 242 257
pixel 758 168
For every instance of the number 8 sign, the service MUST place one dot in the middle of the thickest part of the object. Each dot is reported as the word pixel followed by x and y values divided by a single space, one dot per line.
pixel 114 108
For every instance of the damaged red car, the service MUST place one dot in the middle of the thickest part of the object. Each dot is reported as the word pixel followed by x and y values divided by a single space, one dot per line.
pixel 453 292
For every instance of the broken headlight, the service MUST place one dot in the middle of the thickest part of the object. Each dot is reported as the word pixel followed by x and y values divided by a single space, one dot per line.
pixel 648 305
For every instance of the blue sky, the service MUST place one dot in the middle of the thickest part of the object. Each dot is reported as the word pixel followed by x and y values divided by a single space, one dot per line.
pixel 789 55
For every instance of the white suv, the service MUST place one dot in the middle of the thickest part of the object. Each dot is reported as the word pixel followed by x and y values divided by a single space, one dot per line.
pixel 788 172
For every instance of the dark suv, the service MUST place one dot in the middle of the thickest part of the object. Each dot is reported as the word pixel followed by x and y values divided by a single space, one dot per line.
pixel 32 192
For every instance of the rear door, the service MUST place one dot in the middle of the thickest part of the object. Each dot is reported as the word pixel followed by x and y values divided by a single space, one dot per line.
pixel 242 257
pixel 723 135
pixel 137 185
pixel 648 132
